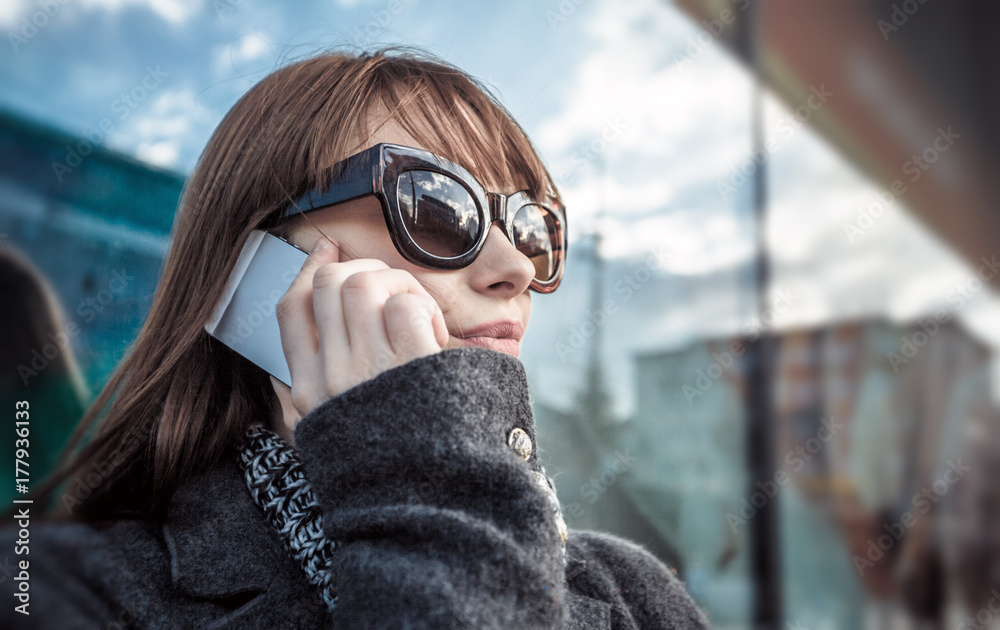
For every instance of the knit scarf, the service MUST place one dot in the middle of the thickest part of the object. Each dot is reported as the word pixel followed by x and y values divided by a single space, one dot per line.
pixel 279 487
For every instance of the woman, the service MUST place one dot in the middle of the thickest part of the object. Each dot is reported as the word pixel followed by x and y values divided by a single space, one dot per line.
pixel 396 483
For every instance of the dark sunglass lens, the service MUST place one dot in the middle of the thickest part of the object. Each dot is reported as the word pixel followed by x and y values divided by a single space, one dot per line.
pixel 439 213
pixel 536 235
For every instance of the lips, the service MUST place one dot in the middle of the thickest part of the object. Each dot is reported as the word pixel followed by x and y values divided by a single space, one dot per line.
pixel 502 335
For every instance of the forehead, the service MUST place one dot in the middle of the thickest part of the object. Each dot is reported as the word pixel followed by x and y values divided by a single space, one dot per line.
pixel 421 131
pixel 388 130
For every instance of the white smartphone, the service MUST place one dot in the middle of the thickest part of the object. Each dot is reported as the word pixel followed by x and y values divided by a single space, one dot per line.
pixel 245 318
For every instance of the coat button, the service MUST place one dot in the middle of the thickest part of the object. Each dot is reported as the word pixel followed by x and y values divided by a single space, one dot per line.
pixel 520 443
pixel 541 481
pixel 550 494
pixel 563 530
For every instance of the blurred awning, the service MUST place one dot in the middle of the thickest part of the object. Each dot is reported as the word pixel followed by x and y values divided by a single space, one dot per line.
pixel 915 95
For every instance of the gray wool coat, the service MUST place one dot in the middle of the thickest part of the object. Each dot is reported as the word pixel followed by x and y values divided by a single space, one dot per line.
pixel 439 524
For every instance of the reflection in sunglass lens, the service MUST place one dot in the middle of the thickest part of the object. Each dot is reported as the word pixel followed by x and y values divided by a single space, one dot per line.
pixel 439 213
pixel 535 236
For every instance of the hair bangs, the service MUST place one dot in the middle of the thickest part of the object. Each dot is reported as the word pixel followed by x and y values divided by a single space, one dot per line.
pixel 447 111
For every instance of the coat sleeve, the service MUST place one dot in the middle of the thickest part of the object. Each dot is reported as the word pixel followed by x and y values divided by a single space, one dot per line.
pixel 437 522
pixel 639 591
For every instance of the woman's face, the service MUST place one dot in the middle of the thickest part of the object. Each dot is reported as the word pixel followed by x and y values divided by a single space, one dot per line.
pixel 493 288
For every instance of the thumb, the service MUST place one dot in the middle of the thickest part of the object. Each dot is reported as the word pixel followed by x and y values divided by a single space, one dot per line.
pixel 290 415
pixel 440 327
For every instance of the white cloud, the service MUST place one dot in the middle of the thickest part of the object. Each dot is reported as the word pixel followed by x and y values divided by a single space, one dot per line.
pixel 250 55
pixel 155 133
pixel 894 268
pixel 173 11
pixel 250 47
pixel 688 127
pixel 694 244
pixel 11 12
pixel 689 130
pixel 163 153
pixel 678 132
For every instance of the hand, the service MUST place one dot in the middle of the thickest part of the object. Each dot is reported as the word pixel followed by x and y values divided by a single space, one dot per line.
pixel 343 323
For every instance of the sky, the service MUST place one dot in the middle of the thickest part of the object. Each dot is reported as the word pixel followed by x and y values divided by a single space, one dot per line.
pixel 624 127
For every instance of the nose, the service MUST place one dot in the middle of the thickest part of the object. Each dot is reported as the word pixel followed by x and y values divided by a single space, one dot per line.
pixel 500 270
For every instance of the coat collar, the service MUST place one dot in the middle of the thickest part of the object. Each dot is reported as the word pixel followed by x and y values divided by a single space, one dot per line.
pixel 220 543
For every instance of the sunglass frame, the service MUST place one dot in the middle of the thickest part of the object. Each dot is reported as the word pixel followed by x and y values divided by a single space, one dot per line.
pixel 376 171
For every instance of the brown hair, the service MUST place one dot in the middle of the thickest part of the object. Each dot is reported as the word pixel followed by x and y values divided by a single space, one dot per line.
pixel 37 320
pixel 180 401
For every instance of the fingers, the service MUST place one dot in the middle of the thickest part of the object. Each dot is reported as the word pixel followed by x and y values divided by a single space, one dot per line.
pixel 333 312
pixel 365 296
pixel 411 324
pixel 345 322
pixel 295 315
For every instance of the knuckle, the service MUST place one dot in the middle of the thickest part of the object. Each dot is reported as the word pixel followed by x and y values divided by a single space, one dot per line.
pixel 382 362
pixel 402 273
pixel 337 385
pixel 420 316
pixel 409 322
pixel 408 309
pixel 325 276
pixel 402 301
pixel 360 281
pixel 404 338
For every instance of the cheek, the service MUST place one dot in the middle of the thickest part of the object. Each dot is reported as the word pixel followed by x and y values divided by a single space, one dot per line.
pixel 359 228
pixel 363 240
pixel 442 286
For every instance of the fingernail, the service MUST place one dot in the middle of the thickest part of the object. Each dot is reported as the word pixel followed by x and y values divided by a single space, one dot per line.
pixel 321 244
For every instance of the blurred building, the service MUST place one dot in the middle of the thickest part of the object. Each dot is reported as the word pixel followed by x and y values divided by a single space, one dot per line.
pixel 870 413
pixel 95 222
pixel 91 226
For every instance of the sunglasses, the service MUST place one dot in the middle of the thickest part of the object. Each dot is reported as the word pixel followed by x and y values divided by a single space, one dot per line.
pixel 438 214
